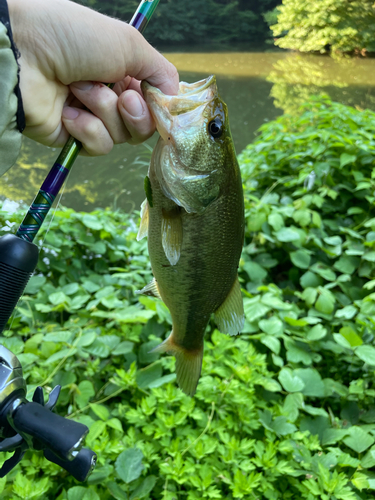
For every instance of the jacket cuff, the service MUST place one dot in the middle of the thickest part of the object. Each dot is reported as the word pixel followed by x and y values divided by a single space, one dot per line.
pixel 5 20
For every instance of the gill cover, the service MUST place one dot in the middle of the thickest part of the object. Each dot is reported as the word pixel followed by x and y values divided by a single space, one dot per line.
pixel 187 158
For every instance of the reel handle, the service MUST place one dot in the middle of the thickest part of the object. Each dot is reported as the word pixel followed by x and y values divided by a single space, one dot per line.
pixel 62 436
pixel 80 468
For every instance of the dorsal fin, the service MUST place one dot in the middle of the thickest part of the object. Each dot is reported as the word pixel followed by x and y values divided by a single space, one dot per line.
pixel 171 235
pixel 230 317
pixel 143 228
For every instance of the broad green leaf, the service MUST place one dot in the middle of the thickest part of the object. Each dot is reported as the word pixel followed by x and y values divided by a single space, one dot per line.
pixel 58 298
pixel 35 284
pixel 272 343
pixel 272 326
pixel 366 353
pixel 350 335
pixel 358 440
pixel 254 309
pixel 129 464
pixel 70 289
pixel 346 264
pixel 162 380
pixel 100 411
pixel 325 302
pixel 310 280
pixel 295 322
pixel 346 159
pixel 323 271
pixel 144 488
pixel 123 348
pixel 58 337
pixel 255 271
pixel 276 221
pixel 342 340
pixel 317 332
pixel 63 353
pixel 290 381
pixel 269 299
pixel 313 383
pixel 369 256
pixel 297 354
pixel 92 222
pixel 302 217
pixel 347 312
pixel 309 295
pixel 147 375
pixel 86 339
pixel 85 391
pixel 300 258
pixel 116 491
pixel 76 493
pixel 287 234
pixel 282 427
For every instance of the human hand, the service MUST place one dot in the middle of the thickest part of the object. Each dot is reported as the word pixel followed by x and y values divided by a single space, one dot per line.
pixel 65 50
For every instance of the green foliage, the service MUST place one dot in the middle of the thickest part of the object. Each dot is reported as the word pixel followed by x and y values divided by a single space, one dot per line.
pixel 204 23
pixel 284 411
pixel 326 25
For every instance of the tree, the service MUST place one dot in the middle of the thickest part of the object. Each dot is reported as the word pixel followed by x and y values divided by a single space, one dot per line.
pixel 197 22
pixel 326 25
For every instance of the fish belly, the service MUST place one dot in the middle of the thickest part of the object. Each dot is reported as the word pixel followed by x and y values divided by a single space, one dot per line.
pixel 207 268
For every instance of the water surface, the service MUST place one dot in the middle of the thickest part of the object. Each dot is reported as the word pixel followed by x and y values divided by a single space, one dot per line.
pixel 257 87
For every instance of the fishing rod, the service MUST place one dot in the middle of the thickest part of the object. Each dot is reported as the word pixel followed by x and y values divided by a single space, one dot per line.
pixel 25 424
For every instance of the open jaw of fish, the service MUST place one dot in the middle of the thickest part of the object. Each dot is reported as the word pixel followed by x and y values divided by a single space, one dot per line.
pixel 193 216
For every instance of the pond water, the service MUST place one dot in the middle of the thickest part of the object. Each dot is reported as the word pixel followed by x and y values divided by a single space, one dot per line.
pixel 256 86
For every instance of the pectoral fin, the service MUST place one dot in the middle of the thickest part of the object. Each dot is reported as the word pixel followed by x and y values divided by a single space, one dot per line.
pixel 143 228
pixel 229 317
pixel 171 235
pixel 151 289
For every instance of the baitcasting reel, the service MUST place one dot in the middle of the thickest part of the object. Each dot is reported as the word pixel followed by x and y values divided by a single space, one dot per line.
pixel 25 424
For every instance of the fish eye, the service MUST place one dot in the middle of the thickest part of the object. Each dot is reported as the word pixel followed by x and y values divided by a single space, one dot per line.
pixel 215 128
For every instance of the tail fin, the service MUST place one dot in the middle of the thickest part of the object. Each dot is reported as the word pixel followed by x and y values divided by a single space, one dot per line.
pixel 188 364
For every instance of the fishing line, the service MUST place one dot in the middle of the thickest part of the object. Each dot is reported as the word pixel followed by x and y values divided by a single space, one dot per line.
pixel 55 210
pixel 40 246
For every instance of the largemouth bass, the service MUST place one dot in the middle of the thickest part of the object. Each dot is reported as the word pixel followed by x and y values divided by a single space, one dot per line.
pixel 194 218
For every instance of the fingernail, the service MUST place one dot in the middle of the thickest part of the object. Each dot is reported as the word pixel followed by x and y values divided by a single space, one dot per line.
pixel 83 85
pixel 132 104
pixel 70 113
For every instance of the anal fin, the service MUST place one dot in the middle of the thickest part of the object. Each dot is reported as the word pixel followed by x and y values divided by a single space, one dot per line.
pixel 171 235
pixel 188 364
pixel 230 317
pixel 151 289
pixel 143 228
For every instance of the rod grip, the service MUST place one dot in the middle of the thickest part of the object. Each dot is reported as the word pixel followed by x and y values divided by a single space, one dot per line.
pixel 18 259
pixel 64 437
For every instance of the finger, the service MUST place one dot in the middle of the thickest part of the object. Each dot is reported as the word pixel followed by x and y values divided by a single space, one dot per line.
pixel 88 129
pixel 102 101
pixel 110 50
pixel 136 116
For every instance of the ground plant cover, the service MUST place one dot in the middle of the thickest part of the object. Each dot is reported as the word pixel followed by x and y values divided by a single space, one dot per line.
pixel 284 411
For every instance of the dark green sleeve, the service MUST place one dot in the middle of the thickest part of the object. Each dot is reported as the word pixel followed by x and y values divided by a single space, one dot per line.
pixel 10 129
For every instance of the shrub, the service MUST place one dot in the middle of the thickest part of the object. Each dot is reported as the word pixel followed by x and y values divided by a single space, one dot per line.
pixel 326 25
pixel 286 410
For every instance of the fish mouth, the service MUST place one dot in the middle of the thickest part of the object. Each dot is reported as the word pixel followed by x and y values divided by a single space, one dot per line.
pixel 190 96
